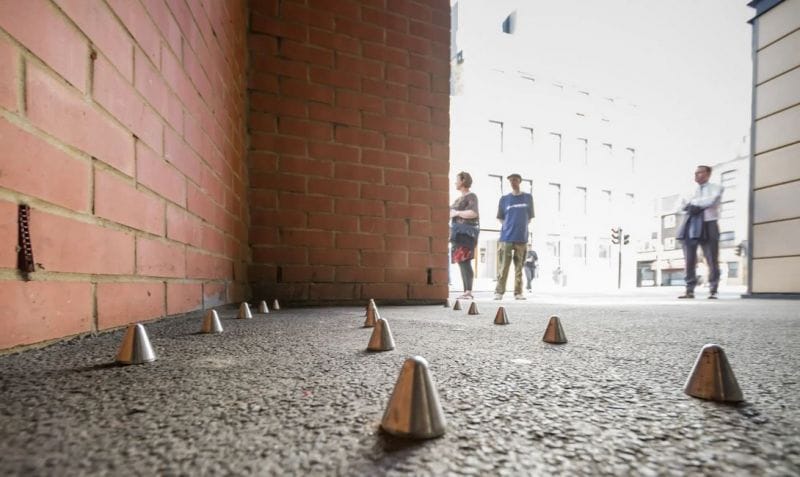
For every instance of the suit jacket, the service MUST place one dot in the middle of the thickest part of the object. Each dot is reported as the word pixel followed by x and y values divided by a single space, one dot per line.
pixel 692 226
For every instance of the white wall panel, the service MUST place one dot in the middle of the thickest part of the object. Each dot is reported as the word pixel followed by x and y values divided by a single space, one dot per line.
pixel 777 22
pixel 770 239
pixel 777 203
pixel 778 130
pixel 776 275
pixel 778 57
pixel 778 93
pixel 777 166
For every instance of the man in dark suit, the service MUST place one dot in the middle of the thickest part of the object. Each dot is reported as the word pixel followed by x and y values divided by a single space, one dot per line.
pixel 700 228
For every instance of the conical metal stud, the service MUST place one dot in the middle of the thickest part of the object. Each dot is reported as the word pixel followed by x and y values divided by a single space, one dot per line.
pixel 135 348
pixel 473 309
pixel 414 410
pixel 712 377
pixel 457 305
pixel 262 308
pixel 372 315
pixel 276 305
pixel 448 303
pixel 381 339
pixel 369 304
pixel 501 318
pixel 244 311
pixel 554 334
pixel 211 323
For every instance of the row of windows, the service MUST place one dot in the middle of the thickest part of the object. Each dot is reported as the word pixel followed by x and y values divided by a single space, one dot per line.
pixel 579 248
pixel 553 196
pixel 554 150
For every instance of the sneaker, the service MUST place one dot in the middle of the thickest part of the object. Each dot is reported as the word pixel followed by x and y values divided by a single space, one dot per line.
pixel 498 296
pixel 687 295
pixel 520 296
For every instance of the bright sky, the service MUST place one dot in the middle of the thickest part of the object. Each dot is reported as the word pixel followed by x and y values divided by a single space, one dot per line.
pixel 686 63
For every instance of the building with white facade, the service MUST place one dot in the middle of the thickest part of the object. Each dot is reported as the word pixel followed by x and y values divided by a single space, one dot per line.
pixel 576 148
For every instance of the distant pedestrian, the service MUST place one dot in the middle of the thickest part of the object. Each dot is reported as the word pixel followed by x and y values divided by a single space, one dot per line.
pixel 531 263
pixel 464 230
pixel 700 228
pixel 515 211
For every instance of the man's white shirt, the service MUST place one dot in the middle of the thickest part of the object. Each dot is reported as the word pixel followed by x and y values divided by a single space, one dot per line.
pixel 709 197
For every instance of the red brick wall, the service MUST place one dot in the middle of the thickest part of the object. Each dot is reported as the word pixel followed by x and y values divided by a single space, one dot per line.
pixel 122 125
pixel 348 150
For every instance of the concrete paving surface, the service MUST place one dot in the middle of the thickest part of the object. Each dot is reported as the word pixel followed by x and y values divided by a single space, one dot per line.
pixel 295 393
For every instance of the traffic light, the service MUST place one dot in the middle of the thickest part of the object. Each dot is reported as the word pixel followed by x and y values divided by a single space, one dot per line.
pixel 625 239
pixel 739 249
pixel 615 235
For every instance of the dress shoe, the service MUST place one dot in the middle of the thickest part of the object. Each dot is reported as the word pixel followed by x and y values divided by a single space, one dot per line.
pixel 712 296
pixel 687 295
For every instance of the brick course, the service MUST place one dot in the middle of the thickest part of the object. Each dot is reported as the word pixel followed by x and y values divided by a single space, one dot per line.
pixel 144 134
pixel 123 127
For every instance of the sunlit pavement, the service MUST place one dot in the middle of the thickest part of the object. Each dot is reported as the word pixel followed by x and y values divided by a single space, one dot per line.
pixel 294 392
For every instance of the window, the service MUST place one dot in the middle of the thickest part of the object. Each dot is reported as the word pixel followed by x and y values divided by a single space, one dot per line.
pixel 668 221
pixel 728 236
pixel 728 181
pixel 608 153
pixel 630 199
pixel 497 135
pixel 604 248
pixel 630 154
pixel 554 192
pixel 527 79
pixel 605 201
pixel 580 201
pixel 579 249
pixel 669 243
pixel 582 151
pixel 555 147
pixel 527 136
pixel 727 210
pixel 558 88
pixel 554 247
pixel 510 23
pixel 733 269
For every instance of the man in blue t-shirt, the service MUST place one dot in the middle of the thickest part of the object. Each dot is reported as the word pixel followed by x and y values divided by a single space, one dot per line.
pixel 514 211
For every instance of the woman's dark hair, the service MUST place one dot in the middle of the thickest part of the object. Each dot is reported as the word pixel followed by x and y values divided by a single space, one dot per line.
pixel 465 179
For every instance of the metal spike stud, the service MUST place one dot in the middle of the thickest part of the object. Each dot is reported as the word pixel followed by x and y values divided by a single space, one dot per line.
pixel 372 315
pixel 135 348
pixel 554 334
pixel 501 318
pixel 263 308
pixel 211 323
pixel 473 309
pixel 244 311
pixel 457 305
pixel 381 339
pixel 276 305
pixel 712 377
pixel 366 308
pixel 448 303
pixel 414 411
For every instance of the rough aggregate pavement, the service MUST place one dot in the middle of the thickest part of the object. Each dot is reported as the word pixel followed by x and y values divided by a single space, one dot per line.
pixel 294 392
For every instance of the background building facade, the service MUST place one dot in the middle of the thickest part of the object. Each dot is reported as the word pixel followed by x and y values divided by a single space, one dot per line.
pixel 575 147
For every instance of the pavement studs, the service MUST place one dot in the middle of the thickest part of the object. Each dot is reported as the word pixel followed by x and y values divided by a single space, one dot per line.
pixel 501 318
pixel 372 315
pixel 244 312
pixel 211 323
pixel 448 303
pixel 263 308
pixel 473 309
pixel 414 411
pixel 712 377
pixel 554 334
pixel 275 305
pixel 457 305
pixel 135 348
pixel 381 339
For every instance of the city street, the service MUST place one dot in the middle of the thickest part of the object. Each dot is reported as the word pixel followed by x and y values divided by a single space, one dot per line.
pixel 295 392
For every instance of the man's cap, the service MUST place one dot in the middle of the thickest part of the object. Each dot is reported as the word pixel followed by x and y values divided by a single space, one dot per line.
pixel 514 175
